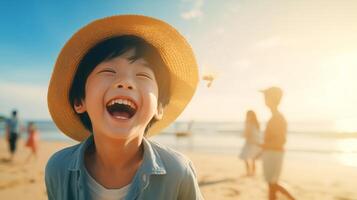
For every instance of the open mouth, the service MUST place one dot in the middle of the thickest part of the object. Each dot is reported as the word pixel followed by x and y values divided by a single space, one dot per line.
pixel 121 108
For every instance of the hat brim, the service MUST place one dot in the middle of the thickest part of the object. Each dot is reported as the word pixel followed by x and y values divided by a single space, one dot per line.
pixel 175 52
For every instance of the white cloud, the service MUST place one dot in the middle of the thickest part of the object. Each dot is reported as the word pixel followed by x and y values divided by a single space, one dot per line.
pixel 195 12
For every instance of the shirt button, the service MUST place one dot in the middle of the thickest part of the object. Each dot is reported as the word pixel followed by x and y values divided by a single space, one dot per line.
pixel 144 177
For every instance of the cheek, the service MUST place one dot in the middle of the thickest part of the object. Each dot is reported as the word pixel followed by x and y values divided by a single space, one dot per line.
pixel 151 99
pixel 91 90
pixel 154 95
pixel 155 90
pixel 94 92
pixel 96 84
pixel 150 88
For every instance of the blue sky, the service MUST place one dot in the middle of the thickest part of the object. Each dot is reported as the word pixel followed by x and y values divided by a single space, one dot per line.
pixel 33 32
pixel 306 47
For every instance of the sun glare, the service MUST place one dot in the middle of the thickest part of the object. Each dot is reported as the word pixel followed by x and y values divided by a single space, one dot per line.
pixel 346 125
pixel 341 87
pixel 348 147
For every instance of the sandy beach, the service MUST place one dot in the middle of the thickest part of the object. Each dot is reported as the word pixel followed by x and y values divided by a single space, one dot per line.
pixel 220 176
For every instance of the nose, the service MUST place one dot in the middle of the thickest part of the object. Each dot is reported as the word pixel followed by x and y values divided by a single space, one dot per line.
pixel 125 84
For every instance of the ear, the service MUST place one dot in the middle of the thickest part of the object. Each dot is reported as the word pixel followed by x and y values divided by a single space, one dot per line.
pixel 160 112
pixel 79 106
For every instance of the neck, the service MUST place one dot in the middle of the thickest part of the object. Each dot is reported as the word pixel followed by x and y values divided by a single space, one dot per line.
pixel 117 154
pixel 274 110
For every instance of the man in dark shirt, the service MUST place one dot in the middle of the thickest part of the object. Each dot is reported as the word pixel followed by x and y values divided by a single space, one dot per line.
pixel 12 132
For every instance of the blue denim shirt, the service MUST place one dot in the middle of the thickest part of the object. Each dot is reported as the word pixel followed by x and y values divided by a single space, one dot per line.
pixel 164 174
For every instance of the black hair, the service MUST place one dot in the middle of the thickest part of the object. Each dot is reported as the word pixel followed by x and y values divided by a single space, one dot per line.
pixel 14 113
pixel 109 49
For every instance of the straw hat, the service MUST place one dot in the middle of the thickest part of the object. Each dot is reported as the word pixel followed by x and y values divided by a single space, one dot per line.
pixel 275 92
pixel 175 52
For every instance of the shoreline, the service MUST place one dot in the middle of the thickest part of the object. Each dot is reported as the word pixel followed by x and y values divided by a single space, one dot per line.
pixel 220 176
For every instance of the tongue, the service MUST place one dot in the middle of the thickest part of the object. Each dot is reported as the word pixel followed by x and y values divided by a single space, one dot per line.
pixel 121 115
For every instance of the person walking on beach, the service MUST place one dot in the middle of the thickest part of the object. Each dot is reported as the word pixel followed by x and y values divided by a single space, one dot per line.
pixel 32 140
pixel 12 133
pixel 251 147
pixel 273 145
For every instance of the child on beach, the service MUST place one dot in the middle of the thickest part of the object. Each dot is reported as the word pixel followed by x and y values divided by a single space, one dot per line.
pixel 116 82
pixel 32 140
pixel 251 147
pixel 273 145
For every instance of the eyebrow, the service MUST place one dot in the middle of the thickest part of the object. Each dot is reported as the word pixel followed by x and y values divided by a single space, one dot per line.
pixel 144 62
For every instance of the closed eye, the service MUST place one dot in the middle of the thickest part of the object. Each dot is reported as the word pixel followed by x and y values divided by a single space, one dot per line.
pixel 145 75
pixel 106 71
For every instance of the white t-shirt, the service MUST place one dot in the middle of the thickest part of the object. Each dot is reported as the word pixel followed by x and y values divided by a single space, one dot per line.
pixel 97 191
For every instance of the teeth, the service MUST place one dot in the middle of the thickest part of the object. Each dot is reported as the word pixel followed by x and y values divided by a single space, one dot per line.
pixel 125 102
pixel 122 101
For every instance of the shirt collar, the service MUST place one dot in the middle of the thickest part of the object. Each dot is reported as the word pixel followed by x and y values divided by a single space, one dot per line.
pixel 152 163
pixel 78 161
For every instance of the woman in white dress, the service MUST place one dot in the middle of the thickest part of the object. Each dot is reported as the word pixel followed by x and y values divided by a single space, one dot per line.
pixel 251 148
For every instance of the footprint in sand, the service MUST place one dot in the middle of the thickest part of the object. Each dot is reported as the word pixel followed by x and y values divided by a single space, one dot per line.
pixel 9 184
pixel 232 192
pixel 32 180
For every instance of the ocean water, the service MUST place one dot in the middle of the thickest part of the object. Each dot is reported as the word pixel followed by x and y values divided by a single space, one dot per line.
pixel 226 137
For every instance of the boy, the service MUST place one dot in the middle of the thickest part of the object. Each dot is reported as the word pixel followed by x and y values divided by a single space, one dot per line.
pixel 116 81
pixel 274 141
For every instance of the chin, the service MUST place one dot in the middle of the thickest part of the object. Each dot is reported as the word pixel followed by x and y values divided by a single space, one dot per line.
pixel 124 134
